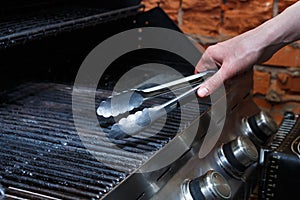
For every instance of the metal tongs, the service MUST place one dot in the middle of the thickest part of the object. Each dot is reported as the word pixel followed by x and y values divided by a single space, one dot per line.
pixel 129 100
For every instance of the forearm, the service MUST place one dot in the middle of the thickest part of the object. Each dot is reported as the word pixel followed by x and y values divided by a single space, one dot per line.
pixel 282 29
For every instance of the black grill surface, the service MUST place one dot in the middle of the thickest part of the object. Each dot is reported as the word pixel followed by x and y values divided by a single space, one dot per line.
pixel 18 29
pixel 42 156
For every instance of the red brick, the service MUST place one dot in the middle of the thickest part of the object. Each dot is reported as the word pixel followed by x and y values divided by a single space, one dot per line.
pixel 201 17
pixel 203 23
pixel 275 93
pixel 283 4
pixel 242 16
pixel 200 6
pixel 284 107
pixel 288 82
pixel 171 7
pixel 261 82
pixel 149 4
pixel 262 103
pixel 288 56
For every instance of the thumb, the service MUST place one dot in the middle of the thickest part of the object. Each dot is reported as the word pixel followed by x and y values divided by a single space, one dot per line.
pixel 211 84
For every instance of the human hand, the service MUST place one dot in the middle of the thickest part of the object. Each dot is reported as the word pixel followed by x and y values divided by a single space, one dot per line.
pixel 234 56
pixel 252 47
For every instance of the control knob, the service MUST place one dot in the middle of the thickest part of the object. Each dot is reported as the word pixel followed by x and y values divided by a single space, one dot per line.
pixel 210 186
pixel 236 156
pixel 259 127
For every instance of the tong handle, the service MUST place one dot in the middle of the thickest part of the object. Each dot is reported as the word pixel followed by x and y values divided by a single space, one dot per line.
pixel 193 79
pixel 183 98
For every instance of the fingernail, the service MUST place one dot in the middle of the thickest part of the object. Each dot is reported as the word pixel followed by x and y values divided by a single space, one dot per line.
pixel 203 92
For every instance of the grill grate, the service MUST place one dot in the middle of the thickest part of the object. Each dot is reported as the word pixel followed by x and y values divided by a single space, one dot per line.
pixel 42 156
pixel 17 30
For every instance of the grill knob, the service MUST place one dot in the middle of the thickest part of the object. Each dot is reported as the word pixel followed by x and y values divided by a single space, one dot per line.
pixel 259 127
pixel 266 123
pixel 236 156
pixel 209 186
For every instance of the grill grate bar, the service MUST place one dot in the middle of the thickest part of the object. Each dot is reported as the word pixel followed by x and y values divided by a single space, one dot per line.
pixel 87 165
pixel 27 195
pixel 62 140
pixel 118 162
pixel 47 157
pixel 21 163
pixel 56 20
pixel 56 192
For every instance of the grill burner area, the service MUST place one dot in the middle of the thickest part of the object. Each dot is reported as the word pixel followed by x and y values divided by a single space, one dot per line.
pixel 43 157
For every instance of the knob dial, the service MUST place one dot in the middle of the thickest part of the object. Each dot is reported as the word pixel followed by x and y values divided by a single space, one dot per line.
pixel 259 127
pixel 236 156
pixel 265 123
pixel 212 185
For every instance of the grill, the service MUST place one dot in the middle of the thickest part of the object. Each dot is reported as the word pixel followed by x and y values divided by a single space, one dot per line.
pixel 42 45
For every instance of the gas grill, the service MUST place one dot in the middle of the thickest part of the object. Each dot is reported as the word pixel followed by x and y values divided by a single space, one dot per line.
pixel 43 44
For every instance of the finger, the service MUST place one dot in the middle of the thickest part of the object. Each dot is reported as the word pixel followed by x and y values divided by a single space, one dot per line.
pixel 204 63
pixel 212 56
pixel 211 84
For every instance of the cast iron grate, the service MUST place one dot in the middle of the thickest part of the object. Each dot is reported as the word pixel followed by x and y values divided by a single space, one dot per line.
pixel 42 156
pixel 48 22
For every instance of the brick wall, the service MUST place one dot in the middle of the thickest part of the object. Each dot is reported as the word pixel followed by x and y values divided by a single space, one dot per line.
pixel 277 82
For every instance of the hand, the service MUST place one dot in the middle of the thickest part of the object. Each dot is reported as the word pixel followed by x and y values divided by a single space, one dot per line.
pixel 253 47
pixel 232 56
